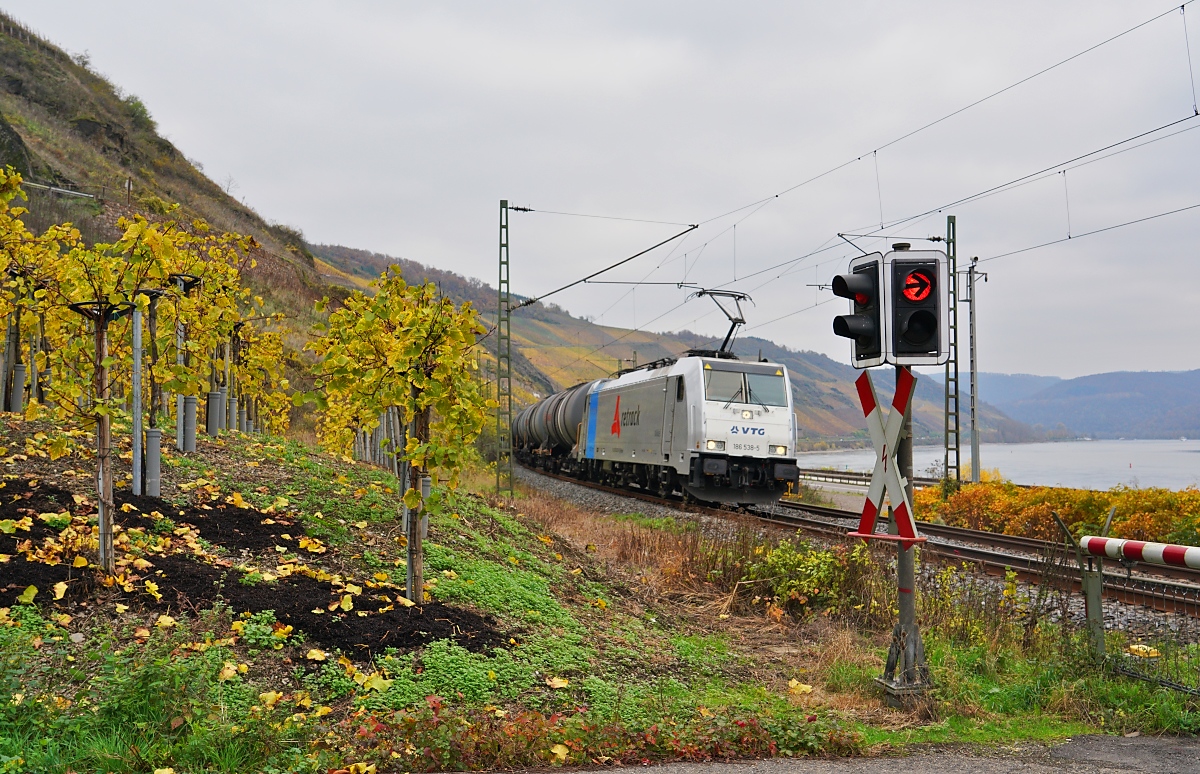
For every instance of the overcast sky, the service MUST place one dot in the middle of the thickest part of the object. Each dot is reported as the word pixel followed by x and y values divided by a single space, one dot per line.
pixel 397 127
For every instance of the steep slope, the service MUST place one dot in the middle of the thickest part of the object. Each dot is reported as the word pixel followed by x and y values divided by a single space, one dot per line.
pixel 1000 389
pixel 1119 404
pixel 64 125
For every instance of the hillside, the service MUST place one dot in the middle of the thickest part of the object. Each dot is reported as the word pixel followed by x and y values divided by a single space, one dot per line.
pixel 64 125
pixel 553 350
pixel 1120 404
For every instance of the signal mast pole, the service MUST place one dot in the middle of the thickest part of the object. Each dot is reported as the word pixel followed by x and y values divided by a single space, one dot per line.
pixel 504 469
pixel 972 274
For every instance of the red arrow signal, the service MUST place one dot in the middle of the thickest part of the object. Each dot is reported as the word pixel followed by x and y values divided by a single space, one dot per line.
pixel 917 286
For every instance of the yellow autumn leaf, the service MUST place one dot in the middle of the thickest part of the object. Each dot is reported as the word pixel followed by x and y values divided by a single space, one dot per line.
pixel 121 608
pixel 361 768
pixel 560 752
pixel 141 564
pixel 164 771
pixel 347 603
pixel 164 622
pixel 26 596
pixel 353 589
pixel 380 576
pixel 237 500
pixel 797 687
pixel 60 588
pixel 243 669
pixel 376 683
pixel 321 711
pixel 316 654
pixel 152 590
pixel 270 698
pixel 360 524
pixel 1143 651
pixel 79 562
pixel 405 602
pixel 557 682
pixel 227 671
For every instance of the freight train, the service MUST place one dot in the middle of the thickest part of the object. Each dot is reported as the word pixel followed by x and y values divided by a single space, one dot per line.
pixel 707 426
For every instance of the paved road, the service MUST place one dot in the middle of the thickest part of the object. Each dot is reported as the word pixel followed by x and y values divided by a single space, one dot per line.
pixel 1081 755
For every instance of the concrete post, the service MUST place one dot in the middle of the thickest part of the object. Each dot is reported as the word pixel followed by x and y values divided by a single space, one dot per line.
pixel 211 413
pixel 18 388
pixel 152 484
pixel 189 424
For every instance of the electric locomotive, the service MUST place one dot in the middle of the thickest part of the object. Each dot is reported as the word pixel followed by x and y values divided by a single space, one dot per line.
pixel 707 425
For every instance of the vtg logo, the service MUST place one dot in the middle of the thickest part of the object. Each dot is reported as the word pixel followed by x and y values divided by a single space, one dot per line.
pixel 735 430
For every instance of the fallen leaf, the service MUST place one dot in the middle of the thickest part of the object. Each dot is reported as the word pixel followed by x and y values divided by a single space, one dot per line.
pixel 141 632
pixel 76 638
pixel 376 683
pixel 164 622
pixel 122 608
pixel 557 682
pixel 321 711
pixel 405 602
pixel 705 712
pixel 227 671
pixel 560 751
pixel 315 654
pixel 347 603
pixel 270 698
pixel 152 590
pixel 26 596
pixel 797 687
pixel 360 524
pixel 60 588
pixel 79 562
pixel 355 590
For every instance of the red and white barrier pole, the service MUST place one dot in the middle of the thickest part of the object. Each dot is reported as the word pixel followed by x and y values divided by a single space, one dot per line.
pixel 1141 551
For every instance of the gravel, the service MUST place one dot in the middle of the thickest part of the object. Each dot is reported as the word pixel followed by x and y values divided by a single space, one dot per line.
pixel 1136 620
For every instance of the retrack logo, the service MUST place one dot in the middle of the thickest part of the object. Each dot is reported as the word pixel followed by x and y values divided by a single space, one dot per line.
pixel 631 418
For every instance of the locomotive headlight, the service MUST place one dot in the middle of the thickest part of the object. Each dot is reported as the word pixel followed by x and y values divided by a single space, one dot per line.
pixel 779 450
pixel 747 414
pixel 715 445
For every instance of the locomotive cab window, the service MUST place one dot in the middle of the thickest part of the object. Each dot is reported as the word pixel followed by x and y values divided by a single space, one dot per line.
pixel 767 389
pixel 680 392
pixel 726 386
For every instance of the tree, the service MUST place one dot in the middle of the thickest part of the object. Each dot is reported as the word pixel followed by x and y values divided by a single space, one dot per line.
pixel 409 348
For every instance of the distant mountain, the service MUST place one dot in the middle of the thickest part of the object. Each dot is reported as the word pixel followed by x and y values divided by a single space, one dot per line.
pixel 1123 404
pixel 999 389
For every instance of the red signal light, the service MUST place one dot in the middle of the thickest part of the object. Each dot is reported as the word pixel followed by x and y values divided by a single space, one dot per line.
pixel 862 299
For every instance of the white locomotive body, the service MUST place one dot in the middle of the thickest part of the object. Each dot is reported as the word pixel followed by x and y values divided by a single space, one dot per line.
pixel 717 429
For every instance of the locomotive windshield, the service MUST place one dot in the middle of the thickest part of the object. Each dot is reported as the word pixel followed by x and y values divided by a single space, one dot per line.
pixel 737 387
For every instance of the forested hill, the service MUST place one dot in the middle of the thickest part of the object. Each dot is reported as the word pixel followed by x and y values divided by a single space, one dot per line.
pixel 553 350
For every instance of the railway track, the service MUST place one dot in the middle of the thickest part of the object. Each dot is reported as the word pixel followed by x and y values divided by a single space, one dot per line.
pixel 1166 589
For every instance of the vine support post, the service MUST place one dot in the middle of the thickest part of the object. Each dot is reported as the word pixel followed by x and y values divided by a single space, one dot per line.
pixel 136 391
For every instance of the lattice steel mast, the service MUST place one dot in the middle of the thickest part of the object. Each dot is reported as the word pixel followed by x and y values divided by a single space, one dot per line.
pixel 504 470
pixel 952 437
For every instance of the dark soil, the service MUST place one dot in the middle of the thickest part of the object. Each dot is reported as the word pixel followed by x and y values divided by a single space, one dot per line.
pixel 188 586
pixel 224 525
pixel 18 500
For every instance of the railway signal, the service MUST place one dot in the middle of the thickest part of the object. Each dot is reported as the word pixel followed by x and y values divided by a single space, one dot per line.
pixel 865 323
pixel 917 306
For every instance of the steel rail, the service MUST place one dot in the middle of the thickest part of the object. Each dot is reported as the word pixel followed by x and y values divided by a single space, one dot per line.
pixel 1161 595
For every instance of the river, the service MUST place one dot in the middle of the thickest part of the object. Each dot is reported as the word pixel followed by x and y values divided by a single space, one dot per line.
pixel 1081 464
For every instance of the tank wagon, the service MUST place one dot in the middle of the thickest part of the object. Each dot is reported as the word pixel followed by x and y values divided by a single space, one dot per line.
pixel 712 427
